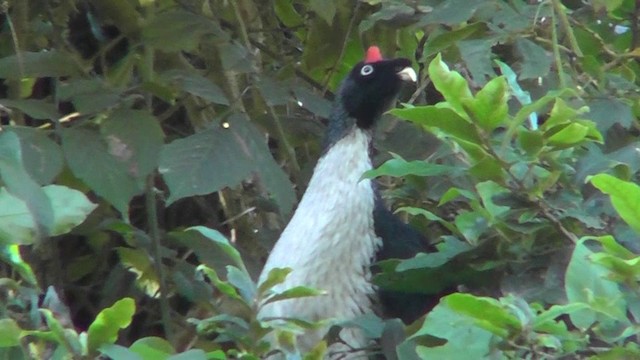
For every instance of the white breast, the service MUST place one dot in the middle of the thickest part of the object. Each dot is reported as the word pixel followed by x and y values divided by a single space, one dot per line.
pixel 330 241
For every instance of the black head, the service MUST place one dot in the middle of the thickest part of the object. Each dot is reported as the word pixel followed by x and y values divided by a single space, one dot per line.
pixel 372 86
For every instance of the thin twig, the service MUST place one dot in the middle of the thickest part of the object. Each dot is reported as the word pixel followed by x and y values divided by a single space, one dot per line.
pixel 154 233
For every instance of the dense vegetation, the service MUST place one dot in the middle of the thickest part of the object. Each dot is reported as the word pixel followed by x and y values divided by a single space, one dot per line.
pixel 152 150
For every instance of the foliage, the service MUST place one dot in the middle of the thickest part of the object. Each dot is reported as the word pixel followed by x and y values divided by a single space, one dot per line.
pixel 152 151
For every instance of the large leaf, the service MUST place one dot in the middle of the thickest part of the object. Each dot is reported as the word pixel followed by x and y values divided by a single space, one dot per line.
pixel 399 167
pixel 450 84
pixel 489 107
pixel 51 63
pixel 463 338
pixel 135 137
pixel 37 109
pixel 477 55
pixel 21 185
pixel 17 224
pixel 625 197
pixel 176 30
pixel 487 313
pixel 325 9
pixel 41 156
pixel 10 333
pixel 104 329
pixel 587 282
pixel 445 119
pixel 535 60
pixel 89 95
pixel 198 85
pixel 222 243
pixel 152 348
pixel 100 166
pixel 219 157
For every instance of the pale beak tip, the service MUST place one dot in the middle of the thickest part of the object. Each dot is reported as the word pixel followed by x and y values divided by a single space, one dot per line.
pixel 408 74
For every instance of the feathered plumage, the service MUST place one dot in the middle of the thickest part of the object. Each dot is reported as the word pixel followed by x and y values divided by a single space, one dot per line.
pixel 341 227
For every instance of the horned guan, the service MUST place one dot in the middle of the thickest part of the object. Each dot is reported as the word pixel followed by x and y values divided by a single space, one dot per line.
pixel 341 227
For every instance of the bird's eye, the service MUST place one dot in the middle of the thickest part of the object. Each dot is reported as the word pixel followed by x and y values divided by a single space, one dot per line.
pixel 366 70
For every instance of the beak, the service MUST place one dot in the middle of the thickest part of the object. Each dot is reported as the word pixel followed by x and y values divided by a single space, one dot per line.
pixel 408 74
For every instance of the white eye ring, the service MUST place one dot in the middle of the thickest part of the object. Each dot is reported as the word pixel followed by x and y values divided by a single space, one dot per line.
pixel 366 70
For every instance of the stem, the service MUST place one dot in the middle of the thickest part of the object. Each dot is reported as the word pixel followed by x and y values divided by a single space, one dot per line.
pixel 556 50
pixel 564 20
pixel 154 234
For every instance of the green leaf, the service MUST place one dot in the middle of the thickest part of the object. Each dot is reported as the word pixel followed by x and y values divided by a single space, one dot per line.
pixel 274 277
pixel 37 109
pixel 442 41
pixel 531 141
pixel 11 254
pixel 447 250
pixel 476 54
pixel 198 85
pixel 177 30
pixel 152 348
pixel 429 216
pixel 16 222
pixel 50 63
pixel 625 197
pixel 536 106
pixel 89 95
pixel 215 158
pixel 104 329
pixel 113 351
pixel 561 113
pixel 57 330
pixel 488 168
pixel 193 354
pixel 140 263
pixel 471 224
pixel 41 156
pixel 71 208
pixel 463 339
pixel 135 138
pixel 223 286
pixel 569 135
pixel 398 167
pixel 295 292
pixel 21 185
pixel 586 282
pixel 487 191
pixel 10 333
pixel 287 13
pixel 489 107
pixel 610 111
pixel 445 119
pixel 217 238
pixel 487 313
pixel 325 9
pixel 17 225
pixel 86 151
pixel 542 320
pixel 536 63
pixel 242 281
pixel 453 12
pixel 450 84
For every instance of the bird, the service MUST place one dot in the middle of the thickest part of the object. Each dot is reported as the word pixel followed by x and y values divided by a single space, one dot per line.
pixel 341 226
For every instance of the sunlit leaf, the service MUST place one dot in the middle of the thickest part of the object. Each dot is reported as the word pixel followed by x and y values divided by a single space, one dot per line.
pixel 450 84
pixel 104 329
pixel 625 197
pixel 10 333
pixel 487 313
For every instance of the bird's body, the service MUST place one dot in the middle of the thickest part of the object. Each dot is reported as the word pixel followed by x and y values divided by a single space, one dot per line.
pixel 332 240
pixel 331 232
